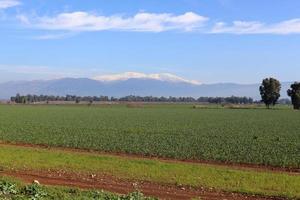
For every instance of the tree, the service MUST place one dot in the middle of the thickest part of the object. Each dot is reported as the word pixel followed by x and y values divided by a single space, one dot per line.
pixel 77 100
pixel 18 98
pixel 294 93
pixel 270 91
pixel 23 100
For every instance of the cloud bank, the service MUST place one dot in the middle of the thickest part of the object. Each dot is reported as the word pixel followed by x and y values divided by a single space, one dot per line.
pixel 142 21
pixel 254 27
pixel 74 22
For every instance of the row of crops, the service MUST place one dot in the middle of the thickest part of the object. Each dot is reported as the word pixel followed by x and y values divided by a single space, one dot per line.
pixel 268 137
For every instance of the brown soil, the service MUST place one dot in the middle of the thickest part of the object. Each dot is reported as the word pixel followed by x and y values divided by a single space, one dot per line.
pixel 241 166
pixel 121 186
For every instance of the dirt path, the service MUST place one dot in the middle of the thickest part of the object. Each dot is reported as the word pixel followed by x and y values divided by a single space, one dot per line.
pixel 121 186
pixel 241 166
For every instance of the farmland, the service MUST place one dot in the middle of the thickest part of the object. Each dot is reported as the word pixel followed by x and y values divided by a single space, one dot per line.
pixel 253 136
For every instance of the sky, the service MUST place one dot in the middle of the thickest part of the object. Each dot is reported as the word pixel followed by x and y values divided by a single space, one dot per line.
pixel 206 41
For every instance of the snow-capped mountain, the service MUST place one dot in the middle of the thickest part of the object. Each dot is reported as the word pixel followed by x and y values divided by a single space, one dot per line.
pixel 131 83
pixel 136 75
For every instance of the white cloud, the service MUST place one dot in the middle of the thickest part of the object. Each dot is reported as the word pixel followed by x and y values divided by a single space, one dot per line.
pixel 53 36
pixel 72 22
pixel 253 27
pixel 23 18
pixel 130 75
pixel 148 22
pixel 9 3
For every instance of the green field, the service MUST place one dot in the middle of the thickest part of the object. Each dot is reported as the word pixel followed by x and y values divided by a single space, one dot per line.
pixel 260 136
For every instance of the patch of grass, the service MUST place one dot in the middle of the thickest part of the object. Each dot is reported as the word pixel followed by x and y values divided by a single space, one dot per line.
pixel 171 130
pixel 219 177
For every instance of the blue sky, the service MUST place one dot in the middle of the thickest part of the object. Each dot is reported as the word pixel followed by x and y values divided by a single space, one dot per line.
pixel 205 40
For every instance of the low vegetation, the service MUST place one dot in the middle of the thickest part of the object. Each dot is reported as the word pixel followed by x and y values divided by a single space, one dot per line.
pixel 14 190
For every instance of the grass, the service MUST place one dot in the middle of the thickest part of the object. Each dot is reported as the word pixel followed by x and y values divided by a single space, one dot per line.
pixel 223 178
pixel 260 136
pixel 14 190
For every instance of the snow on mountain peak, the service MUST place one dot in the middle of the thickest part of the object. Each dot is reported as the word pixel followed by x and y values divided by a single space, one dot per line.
pixel 137 75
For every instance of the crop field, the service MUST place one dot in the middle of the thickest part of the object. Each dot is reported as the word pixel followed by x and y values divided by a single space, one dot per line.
pixel 255 136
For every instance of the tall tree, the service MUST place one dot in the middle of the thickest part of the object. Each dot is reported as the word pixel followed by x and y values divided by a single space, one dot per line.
pixel 270 91
pixel 294 93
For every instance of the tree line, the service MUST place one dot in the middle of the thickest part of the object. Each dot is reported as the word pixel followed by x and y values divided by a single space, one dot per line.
pixel 270 92
pixel 131 98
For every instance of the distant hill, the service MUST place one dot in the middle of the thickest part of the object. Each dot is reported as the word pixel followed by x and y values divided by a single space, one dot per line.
pixel 131 86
